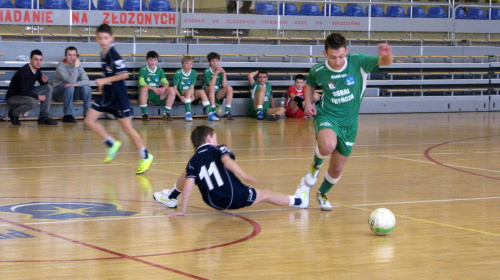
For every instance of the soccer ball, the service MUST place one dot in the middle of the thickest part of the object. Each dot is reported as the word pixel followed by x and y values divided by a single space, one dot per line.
pixel 382 221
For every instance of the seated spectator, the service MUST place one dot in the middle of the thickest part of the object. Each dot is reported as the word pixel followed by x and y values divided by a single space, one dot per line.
pixel 184 82
pixel 71 83
pixel 215 85
pixel 150 91
pixel 22 95
pixel 295 97
pixel 245 8
pixel 262 101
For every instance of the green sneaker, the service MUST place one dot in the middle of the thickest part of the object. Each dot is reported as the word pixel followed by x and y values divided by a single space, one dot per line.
pixel 111 152
pixel 144 164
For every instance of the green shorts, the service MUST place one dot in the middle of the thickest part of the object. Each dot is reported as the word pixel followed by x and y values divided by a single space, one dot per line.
pixel 253 111
pixel 155 98
pixel 346 135
pixel 218 101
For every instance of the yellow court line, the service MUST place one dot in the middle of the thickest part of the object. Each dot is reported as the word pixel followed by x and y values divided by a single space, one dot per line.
pixel 426 221
pixel 150 169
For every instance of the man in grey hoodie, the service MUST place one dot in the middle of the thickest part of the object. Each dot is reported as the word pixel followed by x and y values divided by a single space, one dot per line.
pixel 71 83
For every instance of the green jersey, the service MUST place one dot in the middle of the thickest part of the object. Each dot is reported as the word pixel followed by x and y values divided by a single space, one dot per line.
pixel 267 98
pixel 343 89
pixel 256 86
pixel 208 76
pixel 152 78
pixel 183 81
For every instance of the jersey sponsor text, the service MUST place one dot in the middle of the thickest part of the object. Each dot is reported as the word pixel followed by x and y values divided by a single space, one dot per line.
pixel 343 99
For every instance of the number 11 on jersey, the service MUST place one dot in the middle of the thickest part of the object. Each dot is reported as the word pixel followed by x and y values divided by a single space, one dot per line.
pixel 206 174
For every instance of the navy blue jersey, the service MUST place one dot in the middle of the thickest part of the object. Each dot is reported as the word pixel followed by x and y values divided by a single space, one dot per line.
pixel 219 187
pixel 114 96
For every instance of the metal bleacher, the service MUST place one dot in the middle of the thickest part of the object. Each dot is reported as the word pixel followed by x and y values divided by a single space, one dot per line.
pixel 429 74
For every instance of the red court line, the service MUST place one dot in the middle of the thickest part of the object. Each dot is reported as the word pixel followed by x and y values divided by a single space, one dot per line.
pixel 256 230
pixel 428 156
pixel 102 249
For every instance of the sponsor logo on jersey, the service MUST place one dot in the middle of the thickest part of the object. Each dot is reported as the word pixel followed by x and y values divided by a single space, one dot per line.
pixel 120 64
pixel 340 76
pixel 341 92
pixel 250 195
pixel 326 124
pixel 331 85
pixel 349 80
pixel 319 68
pixel 349 143
pixel 66 210
pixel 223 149
pixel 343 99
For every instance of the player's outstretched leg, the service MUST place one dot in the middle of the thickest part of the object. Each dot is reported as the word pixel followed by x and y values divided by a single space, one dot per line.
pixel 278 198
pixel 303 192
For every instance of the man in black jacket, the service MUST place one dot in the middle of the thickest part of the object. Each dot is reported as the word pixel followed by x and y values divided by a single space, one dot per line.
pixel 23 96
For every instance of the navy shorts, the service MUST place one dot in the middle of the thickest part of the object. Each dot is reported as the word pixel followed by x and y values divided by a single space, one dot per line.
pixel 244 198
pixel 116 113
pixel 241 196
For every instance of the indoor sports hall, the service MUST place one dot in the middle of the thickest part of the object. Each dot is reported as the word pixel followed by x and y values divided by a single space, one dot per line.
pixel 427 146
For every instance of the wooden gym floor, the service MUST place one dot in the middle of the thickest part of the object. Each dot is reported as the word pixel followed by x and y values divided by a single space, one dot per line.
pixel 66 215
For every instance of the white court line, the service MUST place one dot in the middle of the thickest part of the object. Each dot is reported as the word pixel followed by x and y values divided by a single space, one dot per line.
pixel 58 166
pixel 255 211
pixel 89 220
pixel 77 165
pixel 241 149
pixel 450 165
pixel 428 201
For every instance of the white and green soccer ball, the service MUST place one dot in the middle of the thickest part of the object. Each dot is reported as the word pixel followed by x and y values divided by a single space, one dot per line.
pixel 382 221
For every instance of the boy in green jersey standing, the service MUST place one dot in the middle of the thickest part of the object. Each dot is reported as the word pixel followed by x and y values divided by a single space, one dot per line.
pixel 343 79
pixel 150 78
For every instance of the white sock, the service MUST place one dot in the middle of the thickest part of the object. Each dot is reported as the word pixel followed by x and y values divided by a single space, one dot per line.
pixel 142 152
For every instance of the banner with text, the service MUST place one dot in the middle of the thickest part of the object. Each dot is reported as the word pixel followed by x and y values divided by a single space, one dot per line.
pixel 233 21
pixel 87 18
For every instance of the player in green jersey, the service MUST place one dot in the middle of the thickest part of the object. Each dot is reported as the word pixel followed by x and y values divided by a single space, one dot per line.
pixel 184 82
pixel 342 78
pixel 150 77
pixel 215 85
pixel 262 101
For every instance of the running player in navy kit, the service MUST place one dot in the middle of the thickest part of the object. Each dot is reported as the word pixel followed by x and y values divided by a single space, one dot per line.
pixel 217 176
pixel 114 100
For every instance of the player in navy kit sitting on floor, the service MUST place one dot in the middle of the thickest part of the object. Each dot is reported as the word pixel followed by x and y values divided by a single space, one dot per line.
pixel 216 174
